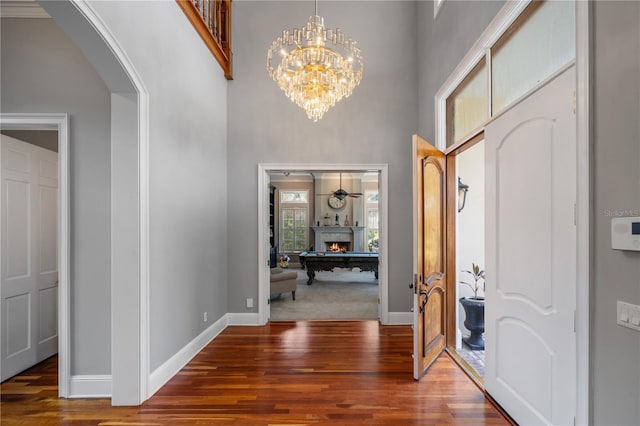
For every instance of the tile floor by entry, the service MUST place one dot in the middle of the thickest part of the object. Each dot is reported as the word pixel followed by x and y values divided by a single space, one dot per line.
pixel 474 358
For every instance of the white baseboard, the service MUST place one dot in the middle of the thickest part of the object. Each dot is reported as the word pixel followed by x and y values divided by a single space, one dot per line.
pixel 161 375
pixel 400 318
pixel 243 319
pixel 90 386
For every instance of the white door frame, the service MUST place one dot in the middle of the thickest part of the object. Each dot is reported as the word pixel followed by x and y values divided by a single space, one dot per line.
pixel 263 253
pixel 500 24
pixel 60 123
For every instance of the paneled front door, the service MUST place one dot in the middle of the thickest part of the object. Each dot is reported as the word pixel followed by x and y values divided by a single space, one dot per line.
pixel 429 255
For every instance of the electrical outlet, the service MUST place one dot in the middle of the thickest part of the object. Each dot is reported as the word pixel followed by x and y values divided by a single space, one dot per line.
pixel 249 302
pixel 204 317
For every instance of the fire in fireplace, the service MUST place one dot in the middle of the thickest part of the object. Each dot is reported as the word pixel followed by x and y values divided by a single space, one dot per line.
pixel 337 246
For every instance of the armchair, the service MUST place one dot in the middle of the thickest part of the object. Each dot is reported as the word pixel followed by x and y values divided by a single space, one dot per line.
pixel 283 281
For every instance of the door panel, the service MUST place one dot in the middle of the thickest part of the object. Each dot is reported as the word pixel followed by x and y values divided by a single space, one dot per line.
pixel 429 255
pixel 29 269
pixel 48 217
pixel 18 211
pixel 18 324
pixel 48 314
pixel 531 256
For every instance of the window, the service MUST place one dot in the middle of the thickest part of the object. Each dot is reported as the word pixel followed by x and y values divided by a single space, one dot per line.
pixel 373 240
pixel 371 205
pixel 294 196
pixel 294 229
pixel 540 42
pixel 468 104
pixel 507 62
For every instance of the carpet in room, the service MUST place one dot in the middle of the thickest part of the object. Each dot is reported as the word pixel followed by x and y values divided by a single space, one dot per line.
pixel 341 294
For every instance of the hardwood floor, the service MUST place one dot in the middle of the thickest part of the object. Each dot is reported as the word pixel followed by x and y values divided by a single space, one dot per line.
pixel 300 373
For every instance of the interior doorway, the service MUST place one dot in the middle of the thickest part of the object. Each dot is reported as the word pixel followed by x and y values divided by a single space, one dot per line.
pixel 42 139
pixel 326 173
pixel 29 217
pixel 333 213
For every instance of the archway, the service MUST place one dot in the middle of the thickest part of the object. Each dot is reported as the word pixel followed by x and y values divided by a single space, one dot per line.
pixel 129 202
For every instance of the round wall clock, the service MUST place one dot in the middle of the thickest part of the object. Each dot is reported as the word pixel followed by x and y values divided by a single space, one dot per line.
pixel 336 203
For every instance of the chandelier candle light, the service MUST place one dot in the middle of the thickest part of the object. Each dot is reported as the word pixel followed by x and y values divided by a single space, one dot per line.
pixel 314 66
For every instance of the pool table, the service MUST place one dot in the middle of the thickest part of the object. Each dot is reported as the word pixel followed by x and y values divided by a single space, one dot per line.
pixel 326 261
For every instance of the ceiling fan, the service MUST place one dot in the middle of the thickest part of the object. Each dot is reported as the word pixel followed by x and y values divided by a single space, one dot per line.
pixel 341 194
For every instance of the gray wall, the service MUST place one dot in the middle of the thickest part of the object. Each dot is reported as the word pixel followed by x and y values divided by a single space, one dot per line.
pixel 442 43
pixel 188 173
pixel 42 71
pixel 374 125
pixel 615 351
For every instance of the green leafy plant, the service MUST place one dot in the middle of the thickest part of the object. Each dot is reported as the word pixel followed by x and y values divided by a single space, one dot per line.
pixel 478 280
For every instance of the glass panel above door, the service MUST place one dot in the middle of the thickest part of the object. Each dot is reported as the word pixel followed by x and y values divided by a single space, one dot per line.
pixel 538 44
pixel 468 104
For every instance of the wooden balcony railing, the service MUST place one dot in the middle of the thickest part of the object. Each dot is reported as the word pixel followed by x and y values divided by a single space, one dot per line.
pixel 212 21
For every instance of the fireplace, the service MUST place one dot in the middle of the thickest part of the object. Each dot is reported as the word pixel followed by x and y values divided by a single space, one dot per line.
pixel 352 236
pixel 337 246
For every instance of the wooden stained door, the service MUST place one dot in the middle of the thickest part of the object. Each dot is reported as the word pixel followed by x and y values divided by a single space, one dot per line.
pixel 429 210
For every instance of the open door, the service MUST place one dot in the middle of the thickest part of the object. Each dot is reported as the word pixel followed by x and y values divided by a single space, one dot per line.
pixel 28 236
pixel 531 256
pixel 428 255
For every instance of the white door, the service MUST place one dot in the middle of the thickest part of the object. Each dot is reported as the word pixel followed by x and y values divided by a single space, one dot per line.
pixel 531 256
pixel 29 268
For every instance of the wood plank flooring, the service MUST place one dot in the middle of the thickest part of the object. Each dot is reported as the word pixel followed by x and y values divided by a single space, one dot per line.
pixel 288 373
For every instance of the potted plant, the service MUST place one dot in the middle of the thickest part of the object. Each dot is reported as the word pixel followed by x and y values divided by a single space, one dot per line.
pixel 284 261
pixel 474 309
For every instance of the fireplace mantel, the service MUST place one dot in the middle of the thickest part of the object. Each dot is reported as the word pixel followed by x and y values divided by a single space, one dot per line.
pixel 353 234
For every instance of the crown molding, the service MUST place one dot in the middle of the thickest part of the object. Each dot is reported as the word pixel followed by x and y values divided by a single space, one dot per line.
pixel 21 9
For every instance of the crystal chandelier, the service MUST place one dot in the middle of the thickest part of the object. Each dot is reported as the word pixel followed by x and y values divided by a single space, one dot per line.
pixel 314 66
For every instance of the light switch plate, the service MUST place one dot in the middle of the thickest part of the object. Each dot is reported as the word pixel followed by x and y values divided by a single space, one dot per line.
pixel 628 315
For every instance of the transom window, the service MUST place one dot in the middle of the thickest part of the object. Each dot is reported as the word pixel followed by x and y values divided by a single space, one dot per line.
pixel 294 196
pixel 539 43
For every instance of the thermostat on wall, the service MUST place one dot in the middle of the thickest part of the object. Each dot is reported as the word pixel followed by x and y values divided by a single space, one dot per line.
pixel 625 233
